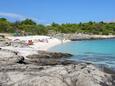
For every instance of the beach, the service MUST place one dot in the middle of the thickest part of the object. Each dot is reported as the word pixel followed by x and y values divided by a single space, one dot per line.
pixel 28 59
pixel 57 43
pixel 42 43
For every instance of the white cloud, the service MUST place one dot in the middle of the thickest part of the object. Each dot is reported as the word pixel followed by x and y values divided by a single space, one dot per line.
pixel 16 16
pixel 12 15
pixel 21 17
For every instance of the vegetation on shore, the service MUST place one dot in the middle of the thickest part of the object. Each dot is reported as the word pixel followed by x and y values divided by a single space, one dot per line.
pixel 28 26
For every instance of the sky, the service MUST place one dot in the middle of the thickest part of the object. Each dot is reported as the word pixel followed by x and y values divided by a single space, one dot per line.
pixel 59 11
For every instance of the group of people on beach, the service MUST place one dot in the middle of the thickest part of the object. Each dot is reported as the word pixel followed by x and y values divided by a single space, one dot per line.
pixel 31 42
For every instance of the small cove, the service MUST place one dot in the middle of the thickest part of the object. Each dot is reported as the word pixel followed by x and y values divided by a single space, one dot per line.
pixel 94 51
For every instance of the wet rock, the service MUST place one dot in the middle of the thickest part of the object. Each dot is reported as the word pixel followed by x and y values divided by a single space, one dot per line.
pixel 48 58
pixel 55 54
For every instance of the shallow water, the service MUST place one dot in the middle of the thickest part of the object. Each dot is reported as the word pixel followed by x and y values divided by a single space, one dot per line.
pixel 95 51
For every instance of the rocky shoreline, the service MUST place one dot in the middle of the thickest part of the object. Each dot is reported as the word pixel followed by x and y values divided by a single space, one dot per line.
pixel 80 36
pixel 91 39
pixel 42 68
pixel 50 69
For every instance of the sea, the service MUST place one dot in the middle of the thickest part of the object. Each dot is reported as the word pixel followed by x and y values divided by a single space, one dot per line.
pixel 94 51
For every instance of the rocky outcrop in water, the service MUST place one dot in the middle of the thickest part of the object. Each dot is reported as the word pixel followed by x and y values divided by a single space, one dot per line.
pixel 44 54
pixel 47 58
pixel 20 71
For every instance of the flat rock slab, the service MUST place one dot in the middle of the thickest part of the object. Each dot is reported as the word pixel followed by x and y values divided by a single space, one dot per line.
pixel 49 69
pixel 58 75
pixel 55 55
pixel 8 56
pixel 48 58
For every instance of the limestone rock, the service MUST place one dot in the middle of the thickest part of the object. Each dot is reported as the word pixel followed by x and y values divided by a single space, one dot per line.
pixel 8 56
pixel 20 71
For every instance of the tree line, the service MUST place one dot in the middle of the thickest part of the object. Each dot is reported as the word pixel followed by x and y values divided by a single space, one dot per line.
pixel 28 26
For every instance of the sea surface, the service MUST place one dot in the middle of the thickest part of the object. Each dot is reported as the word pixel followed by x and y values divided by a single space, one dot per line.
pixel 94 51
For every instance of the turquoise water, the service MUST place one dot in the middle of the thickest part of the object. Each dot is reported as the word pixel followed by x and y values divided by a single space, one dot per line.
pixel 95 51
